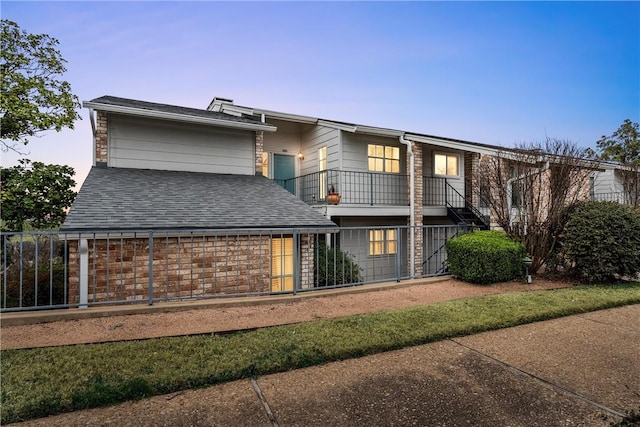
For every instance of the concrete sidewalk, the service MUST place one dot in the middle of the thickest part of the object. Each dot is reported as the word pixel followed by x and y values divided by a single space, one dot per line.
pixel 565 372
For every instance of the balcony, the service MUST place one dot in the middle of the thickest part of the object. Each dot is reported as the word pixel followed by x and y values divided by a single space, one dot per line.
pixel 623 198
pixel 355 188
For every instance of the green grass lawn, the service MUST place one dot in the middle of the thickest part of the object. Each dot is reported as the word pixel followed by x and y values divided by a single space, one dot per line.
pixel 40 382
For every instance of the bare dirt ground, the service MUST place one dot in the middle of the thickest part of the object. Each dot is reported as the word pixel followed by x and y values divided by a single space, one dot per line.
pixel 219 318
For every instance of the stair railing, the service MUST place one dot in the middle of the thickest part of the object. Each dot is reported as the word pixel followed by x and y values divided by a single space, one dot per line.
pixel 460 198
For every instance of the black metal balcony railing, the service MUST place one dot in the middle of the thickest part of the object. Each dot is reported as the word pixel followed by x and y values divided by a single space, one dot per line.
pixel 375 189
pixel 355 188
pixel 434 191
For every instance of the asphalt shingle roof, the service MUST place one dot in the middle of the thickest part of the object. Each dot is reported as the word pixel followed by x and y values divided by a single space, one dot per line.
pixel 166 108
pixel 137 199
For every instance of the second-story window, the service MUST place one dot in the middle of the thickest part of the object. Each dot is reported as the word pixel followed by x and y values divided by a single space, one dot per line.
pixel 445 164
pixel 384 158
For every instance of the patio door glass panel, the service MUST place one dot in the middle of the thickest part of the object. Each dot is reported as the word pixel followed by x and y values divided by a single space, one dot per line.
pixel 281 264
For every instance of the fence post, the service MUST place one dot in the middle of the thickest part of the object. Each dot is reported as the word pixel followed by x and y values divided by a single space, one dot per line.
pixel 84 273
pixel 446 193
pixel 399 246
pixel 371 189
pixel 150 267
pixel 296 262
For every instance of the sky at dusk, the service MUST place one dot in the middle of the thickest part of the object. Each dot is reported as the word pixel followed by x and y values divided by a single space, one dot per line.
pixel 493 72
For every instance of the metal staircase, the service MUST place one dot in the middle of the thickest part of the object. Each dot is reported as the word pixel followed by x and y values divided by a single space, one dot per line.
pixel 461 211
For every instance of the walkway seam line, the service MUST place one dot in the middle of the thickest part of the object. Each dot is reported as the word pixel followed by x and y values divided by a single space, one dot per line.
pixel 542 381
pixel 583 316
pixel 262 399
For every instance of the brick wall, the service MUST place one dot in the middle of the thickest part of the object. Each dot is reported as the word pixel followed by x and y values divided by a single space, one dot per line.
pixel 102 138
pixel 182 267
pixel 418 208
pixel 258 137
pixel 471 190
pixel 307 251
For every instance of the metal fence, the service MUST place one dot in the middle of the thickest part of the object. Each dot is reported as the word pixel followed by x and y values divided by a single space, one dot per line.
pixel 46 270
pixel 619 197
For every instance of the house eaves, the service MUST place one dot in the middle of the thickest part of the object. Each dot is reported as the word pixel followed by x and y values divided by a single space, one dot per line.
pixel 454 144
pixel 286 116
pixel 371 130
pixel 340 126
pixel 179 117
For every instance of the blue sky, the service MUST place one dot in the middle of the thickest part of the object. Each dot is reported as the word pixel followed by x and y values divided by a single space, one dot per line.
pixel 493 72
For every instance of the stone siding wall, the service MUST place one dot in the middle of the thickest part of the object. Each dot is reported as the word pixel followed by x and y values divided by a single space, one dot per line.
pixel 182 267
pixel 102 137
pixel 307 252
pixel 259 149
pixel 471 185
pixel 418 208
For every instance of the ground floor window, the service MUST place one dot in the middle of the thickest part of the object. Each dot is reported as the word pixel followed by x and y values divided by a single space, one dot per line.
pixel 281 264
pixel 383 241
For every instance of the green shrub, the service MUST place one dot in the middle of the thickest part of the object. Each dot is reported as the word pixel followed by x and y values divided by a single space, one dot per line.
pixel 32 263
pixel 25 295
pixel 334 267
pixel 601 241
pixel 485 257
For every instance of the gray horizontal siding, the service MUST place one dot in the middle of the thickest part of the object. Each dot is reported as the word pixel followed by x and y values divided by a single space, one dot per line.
pixel 312 140
pixel 156 144
pixel 356 155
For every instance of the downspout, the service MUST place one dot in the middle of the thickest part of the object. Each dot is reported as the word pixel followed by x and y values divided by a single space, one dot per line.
pixel 412 218
pixel 93 132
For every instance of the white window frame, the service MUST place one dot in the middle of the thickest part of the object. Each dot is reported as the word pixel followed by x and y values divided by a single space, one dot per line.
pixel 282 264
pixel 447 156
pixel 386 160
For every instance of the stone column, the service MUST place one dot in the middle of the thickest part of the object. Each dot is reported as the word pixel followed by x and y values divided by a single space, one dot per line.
pixel 307 252
pixel 102 139
pixel 418 209
pixel 471 190
pixel 258 137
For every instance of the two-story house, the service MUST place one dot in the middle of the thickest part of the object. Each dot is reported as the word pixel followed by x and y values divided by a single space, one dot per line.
pixel 163 167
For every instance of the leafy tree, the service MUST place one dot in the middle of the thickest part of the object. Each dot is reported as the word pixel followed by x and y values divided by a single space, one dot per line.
pixel 36 194
pixel 33 98
pixel 623 147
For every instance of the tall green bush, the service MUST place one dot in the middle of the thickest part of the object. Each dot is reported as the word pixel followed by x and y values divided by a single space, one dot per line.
pixel 601 241
pixel 485 257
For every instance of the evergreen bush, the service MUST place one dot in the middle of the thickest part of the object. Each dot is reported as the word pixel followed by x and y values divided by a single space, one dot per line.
pixel 334 266
pixel 485 257
pixel 601 241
